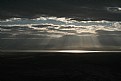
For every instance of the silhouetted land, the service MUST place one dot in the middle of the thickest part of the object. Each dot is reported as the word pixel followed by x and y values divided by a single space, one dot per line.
pixel 60 66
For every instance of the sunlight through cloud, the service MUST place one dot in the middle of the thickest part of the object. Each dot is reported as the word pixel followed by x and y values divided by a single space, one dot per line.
pixel 55 25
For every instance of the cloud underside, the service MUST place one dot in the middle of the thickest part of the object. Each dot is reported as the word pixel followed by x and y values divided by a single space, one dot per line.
pixel 55 27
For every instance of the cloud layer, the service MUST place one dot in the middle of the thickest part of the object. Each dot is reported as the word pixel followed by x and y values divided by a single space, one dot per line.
pixel 53 26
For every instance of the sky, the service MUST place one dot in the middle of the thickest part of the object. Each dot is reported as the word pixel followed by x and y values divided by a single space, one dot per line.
pixel 87 22
pixel 92 9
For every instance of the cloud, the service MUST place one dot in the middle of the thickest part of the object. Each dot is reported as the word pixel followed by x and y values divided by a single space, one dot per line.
pixel 114 9
pixel 60 26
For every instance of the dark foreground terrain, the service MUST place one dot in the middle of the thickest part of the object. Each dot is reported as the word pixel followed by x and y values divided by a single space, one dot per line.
pixel 60 66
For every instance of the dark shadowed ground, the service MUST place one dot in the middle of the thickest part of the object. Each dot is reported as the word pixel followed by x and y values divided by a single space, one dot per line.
pixel 60 66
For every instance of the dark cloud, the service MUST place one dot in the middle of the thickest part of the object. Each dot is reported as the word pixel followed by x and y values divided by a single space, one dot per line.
pixel 94 9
